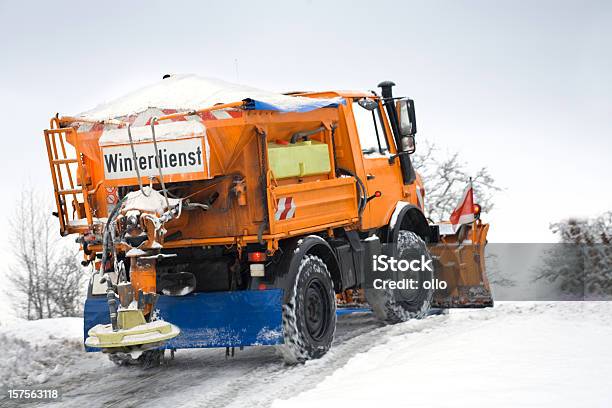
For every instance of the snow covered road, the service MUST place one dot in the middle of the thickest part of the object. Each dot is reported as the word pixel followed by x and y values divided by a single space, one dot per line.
pixel 516 355
pixel 203 377
pixel 546 354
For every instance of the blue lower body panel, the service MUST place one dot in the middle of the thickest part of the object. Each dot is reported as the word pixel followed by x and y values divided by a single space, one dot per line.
pixel 219 319
pixel 341 311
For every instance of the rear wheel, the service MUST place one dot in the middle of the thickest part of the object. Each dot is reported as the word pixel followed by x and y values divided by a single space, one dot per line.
pixel 400 305
pixel 309 317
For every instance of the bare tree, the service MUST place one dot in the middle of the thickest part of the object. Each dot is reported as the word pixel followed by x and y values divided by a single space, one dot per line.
pixel 445 177
pixel 496 275
pixel 47 278
pixel 582 262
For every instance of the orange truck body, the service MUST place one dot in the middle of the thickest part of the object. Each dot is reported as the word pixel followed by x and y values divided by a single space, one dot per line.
pixel 322 201
pixel 235 163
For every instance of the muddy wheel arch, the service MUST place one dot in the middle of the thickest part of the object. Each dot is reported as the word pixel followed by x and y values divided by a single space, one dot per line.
pixel 294 250
pixel 407 217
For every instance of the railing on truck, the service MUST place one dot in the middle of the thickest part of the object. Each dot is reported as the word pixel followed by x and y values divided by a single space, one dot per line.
pixel 68 175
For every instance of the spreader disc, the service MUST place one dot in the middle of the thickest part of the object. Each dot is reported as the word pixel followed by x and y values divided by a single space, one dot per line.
pixel 103 336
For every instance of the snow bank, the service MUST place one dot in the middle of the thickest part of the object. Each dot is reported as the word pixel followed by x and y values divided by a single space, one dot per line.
pixel 36 351
pixel 7 314
pixel 192 92
pixel 522 354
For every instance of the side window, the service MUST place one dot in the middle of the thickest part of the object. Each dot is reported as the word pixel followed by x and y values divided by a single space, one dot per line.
pixel 370 129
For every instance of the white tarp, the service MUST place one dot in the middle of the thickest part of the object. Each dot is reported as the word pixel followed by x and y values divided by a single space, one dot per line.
pixel 163 131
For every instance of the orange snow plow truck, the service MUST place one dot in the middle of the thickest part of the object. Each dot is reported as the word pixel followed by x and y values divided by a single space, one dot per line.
pixel 218 215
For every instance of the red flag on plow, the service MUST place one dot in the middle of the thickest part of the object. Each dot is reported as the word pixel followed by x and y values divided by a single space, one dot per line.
pixel 465 212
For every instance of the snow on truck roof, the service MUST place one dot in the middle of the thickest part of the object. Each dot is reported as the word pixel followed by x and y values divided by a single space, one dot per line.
pixel 192 92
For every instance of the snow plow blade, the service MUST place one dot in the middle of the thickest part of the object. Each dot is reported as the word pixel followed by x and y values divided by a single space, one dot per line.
pixel 460 262
pixel 218 319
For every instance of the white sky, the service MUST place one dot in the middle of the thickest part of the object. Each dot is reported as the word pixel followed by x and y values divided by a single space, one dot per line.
pixel 521 87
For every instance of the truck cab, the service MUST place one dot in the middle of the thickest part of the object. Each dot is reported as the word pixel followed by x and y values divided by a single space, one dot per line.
pixel 366 144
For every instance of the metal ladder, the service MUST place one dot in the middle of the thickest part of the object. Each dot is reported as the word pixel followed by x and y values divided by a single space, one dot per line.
pixel 62 169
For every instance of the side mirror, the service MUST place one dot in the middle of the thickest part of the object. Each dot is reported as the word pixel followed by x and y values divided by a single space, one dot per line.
pixel 406 118
pixel 407 128
pixel 368 104
pixel 408 144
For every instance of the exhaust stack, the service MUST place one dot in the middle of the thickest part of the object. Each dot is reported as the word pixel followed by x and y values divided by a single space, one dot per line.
pixel 386 89
pixel 408 173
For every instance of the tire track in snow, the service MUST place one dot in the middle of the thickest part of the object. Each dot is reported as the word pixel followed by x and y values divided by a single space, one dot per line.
pixel 272 378
pixel 198 372
pixel 273 381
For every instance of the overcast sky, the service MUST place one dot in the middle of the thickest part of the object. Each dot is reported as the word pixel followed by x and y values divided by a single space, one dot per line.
pixel 524 88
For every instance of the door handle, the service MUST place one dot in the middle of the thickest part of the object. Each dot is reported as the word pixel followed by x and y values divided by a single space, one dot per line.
pixel 370 177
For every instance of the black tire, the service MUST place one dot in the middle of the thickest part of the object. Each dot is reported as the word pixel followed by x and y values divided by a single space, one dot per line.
pixel 400 305
pixel 309 317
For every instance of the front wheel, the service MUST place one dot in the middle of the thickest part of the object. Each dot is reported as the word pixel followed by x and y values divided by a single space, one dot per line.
pixel 400 305
pixel 309 317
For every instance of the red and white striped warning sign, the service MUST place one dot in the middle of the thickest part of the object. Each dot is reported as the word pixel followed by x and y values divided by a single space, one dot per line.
pixel 111 195
pixel 112 198
pixel 286 209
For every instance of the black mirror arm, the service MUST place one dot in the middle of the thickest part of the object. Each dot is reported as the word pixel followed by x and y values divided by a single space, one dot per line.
pixel 395 156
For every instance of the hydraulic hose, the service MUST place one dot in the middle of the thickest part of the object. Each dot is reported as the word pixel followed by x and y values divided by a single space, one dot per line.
pixel 363 199
pixel 305 134
pixel 107 244
pixel 264 187
pixel 159 163
pixel 129 130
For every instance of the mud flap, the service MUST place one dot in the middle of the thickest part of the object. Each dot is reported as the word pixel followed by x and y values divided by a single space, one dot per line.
pixel 219 319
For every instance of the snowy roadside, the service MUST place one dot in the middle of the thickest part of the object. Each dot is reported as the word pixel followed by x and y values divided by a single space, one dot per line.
pixel 37 351
pixel 517 354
